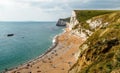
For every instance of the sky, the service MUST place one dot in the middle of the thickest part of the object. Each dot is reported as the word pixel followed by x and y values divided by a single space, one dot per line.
pixel 48 10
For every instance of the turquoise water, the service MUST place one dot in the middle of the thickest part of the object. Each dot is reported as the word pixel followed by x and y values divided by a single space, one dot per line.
pixel 30 40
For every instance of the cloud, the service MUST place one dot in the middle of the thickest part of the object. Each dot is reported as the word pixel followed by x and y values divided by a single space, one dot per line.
pixel 102 4
pixel 49 10
pixel 9 4
pixel 28 1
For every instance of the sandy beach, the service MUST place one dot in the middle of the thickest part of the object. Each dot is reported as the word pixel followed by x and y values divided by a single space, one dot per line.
pixel 58 59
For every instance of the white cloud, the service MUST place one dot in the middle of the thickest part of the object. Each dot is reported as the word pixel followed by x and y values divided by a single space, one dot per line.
pixel 35 0
pixel 53 9
pixel 6 2
pixel 12 4
pixel 49 9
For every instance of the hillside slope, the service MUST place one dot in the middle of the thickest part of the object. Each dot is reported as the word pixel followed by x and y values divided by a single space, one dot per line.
pixel 100 53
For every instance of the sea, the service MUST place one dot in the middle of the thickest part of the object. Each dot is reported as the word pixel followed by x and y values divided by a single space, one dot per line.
pixel 29 40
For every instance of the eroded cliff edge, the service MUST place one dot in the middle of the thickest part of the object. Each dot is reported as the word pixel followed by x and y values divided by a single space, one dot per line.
pixel 100 30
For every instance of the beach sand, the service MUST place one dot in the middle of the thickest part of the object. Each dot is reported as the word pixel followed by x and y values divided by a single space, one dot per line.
pixel 57 60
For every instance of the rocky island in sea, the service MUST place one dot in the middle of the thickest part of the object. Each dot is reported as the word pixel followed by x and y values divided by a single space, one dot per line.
pixel 89 44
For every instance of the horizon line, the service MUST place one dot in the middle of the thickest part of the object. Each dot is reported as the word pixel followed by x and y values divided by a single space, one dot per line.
pixel 28 21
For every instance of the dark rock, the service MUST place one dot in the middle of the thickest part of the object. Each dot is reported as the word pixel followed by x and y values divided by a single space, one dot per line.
pixel 10 35
pixel 61 23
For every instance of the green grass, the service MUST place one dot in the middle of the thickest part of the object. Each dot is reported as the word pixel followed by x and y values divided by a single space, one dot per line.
pixel 83 15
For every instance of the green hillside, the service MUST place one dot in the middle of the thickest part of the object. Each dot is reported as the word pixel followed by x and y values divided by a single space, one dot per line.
pixel 100 53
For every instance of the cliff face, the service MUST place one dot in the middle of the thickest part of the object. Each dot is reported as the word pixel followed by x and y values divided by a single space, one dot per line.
pixel 101 49
pixel 63 22
pixel 73 21
pixel 82 26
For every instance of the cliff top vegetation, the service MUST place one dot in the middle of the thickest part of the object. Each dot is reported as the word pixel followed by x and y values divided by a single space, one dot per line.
pixel 83 15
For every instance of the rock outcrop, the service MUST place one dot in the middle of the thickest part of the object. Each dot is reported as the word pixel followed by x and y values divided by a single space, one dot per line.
pixel 63 22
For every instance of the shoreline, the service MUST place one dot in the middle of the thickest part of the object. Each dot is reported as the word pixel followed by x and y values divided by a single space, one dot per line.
pixel 52 47
pixel 60 56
